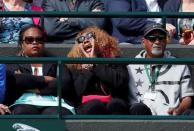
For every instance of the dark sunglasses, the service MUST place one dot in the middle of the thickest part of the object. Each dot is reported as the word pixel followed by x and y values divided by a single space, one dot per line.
pixel 153 38
pixel 89 35
pixel 30 40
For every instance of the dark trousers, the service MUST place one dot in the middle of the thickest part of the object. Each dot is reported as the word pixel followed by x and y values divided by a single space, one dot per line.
pixel 188 112
pixel 25 109
pixel 139 109
pixel 95 107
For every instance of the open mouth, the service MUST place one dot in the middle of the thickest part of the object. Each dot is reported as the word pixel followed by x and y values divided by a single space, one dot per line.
pixel 87 48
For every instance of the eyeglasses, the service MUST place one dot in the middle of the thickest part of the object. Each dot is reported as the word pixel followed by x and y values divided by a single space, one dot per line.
pixel 88 36
pixel 153 38
pixel 30 40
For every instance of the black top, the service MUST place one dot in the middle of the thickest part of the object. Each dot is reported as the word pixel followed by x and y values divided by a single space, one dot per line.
pixel 17 84
pixel 112 78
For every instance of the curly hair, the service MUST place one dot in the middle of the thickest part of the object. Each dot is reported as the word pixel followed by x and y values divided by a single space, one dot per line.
pixel 106 46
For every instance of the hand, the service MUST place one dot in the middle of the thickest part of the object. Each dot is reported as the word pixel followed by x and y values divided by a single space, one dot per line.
pixel 17 72
pixel 171 29
pixel 91 54
pixel 35 90
pixel 96 10
pixel 87 66
pixel 49 78
pixel 187 38
pixel 174 111
pixel 4 109
pixel 192 42
pixel 63 19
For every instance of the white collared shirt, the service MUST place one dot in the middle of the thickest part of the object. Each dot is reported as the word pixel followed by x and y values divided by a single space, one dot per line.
pixel 39 71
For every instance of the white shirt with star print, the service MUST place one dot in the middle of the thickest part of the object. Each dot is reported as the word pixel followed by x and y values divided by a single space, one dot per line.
pixel 173 83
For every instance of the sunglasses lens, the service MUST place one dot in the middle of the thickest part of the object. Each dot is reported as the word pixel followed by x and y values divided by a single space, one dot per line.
pixel 80 39
pixel 154 38
pixel 151 38
pixel 39 40
pixel 30 40
pixel 90 35
pixel 161 37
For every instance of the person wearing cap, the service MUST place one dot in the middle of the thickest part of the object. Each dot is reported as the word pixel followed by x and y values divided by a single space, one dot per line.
pixel 164 89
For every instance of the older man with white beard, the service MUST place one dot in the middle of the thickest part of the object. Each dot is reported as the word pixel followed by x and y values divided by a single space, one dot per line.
pixel 162 89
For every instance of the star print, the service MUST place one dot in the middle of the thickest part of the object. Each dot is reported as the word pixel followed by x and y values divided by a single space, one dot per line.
pixel 139 94
pixel 139 70
pixel 139 83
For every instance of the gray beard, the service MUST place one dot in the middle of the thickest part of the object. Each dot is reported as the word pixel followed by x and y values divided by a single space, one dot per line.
pixel 156 51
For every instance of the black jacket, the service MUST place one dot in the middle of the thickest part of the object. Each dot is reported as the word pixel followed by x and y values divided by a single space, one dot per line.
pixel 113 77
pixel 67 30
pixel 17 84
pixel 129 30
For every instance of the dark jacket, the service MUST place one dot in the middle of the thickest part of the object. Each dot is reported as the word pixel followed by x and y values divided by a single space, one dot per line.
pixel 129 29
pixel 17 84
pixel 172 6
pixel 67 30
pixel 114 79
